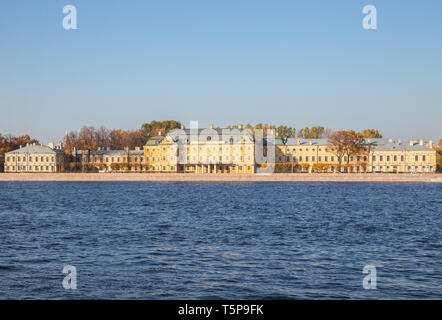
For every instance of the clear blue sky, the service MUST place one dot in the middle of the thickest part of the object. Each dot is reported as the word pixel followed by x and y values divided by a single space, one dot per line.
pixel 297 63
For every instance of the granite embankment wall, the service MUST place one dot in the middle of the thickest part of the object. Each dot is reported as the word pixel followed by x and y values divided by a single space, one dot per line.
pixel 180 177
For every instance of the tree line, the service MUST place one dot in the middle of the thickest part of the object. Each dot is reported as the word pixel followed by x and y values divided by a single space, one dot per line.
pixel 92 138
pixel 316 132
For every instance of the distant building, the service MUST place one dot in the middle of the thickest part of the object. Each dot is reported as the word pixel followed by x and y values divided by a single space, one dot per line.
pixel 201 151
pixel 109 160
pixel 35 158
pixel 209 151
pixel 377 155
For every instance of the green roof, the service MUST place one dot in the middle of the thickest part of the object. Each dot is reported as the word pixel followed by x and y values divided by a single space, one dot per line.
pixel 154 141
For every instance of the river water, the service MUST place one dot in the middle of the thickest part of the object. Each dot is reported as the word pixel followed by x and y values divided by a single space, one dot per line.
pixel 220 240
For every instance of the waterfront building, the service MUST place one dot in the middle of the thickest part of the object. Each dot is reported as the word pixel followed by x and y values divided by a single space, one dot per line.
pixel 108 160
pixel 211 150
pixel 376 155
pixel 35 158
pixel 232 151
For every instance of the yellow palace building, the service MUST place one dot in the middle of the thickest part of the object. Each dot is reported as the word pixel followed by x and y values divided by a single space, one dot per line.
pixel 201 151
pixel 233 151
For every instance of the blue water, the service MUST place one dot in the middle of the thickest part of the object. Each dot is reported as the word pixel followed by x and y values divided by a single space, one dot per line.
pixel 220 240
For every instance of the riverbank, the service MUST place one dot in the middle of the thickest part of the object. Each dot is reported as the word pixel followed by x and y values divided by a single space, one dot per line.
pixel 181 177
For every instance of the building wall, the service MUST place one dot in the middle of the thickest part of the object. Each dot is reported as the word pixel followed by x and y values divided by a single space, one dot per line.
pixel 404 161
pixel 39 162
pixel 201 157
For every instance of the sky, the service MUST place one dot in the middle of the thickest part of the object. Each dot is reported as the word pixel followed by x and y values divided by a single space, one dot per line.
pixel 294 63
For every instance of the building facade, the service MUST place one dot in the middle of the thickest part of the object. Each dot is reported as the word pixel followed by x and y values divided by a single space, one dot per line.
pixel 108 160
pixel 201 151
pixel 35 158
pixel 376 155
pixel 230 151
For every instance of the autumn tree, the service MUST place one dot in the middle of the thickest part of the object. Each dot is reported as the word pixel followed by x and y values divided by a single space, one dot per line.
pixel 152 128
pixel 371 133
pixel 439 156
pixel 90 138
pixel 345 143
pixel 314 133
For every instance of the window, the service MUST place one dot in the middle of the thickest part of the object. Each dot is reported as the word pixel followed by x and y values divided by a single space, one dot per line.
pixel 47 159
pixel 381 158
pixel 388 158
pixel 332 158
pixel 300 158
pixel 288 158
pixel 313 158
pixel 402 158
pixel 374 158
pixel 319 158
pixel 416 158
pixel 306 158
pixel 423 158
pixel 325 159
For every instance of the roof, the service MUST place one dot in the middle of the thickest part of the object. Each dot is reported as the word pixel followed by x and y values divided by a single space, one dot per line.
pixel 109 152
pixel 201 134
pixel 37 149
pixel 377 144
pixel 154 141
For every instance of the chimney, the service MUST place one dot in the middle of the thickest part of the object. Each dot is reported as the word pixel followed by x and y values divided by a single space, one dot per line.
pixel 421 142
pixel 182 126
pixel 137 148
pixel 159 132
pixel 411 143
pixel 368 140
pixel 108 148
pixel 240 126
pixel 390 140
pixel 310 142
pixel 21 146
pixel 277 134
pixel 399 141
pixel 211 126
pixel 430 144
pixel 33 144
pixel 27 144
pixel 298 141
pixel 126 148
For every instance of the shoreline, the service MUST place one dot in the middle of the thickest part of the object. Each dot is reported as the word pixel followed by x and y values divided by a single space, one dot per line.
pixel 192 177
